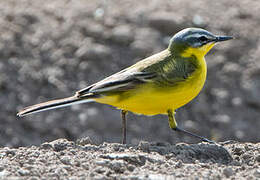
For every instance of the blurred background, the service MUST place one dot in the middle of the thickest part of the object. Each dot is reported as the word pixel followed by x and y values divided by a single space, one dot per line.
pixel 51 49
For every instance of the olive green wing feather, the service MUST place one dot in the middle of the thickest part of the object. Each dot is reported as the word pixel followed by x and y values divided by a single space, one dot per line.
pixel 172 70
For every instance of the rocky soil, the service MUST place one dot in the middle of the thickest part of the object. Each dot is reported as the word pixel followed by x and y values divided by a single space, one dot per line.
pixel 50 50
pixel 62 159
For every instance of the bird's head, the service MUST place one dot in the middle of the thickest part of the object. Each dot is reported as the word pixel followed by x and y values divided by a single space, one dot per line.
pixel 194 41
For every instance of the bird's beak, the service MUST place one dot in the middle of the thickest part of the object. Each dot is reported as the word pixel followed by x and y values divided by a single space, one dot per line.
pixel 222 38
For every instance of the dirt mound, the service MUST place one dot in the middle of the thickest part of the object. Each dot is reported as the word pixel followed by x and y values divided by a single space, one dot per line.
pixel 62 159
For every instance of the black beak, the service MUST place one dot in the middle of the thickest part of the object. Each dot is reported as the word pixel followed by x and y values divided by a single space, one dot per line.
pixel 223 38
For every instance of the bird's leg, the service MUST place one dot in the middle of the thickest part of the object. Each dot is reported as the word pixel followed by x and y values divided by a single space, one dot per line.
pixel 123 116
pixel 173 126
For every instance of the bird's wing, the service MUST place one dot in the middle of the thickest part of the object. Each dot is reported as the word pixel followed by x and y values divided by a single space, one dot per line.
pixel 121 81
pixel 127 78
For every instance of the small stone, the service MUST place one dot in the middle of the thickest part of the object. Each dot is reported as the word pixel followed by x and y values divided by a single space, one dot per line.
pixel 61 170
pixel 144 146
pixel 98 51
pixel 257 158
pixel 257 173
pixel 165 144
pixel 4 173
pixel 102 162
pixel 118 166
pixel 61 144
pixel 116 148
pixel 129 157
pixel 228 172
pixel 10 152
pixel 23 172
pixel 99 13
pixel 164 22
pixel 85 166
pixel 65 160
pixel 46 146
pixel 198 20
pixel 99 170
pixel 34 178
pixel 237 101
pixel 130 168
pixel 179 164
pixel 236 162
pixel 238 151
pixel 246 157
pixel 84 141
pixel 205 165
pixel 123 34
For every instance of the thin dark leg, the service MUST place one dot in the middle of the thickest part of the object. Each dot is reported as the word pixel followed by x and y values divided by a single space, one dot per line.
pixel 123 116
pixel 193 135
pixel 173 126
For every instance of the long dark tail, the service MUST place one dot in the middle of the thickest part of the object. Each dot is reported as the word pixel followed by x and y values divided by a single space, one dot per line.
pixel 54 104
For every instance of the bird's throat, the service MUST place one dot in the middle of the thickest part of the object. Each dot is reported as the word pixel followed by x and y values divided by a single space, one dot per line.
pixel 199 52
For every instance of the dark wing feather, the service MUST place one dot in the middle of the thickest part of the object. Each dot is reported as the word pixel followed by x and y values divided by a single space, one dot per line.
pixel 121 81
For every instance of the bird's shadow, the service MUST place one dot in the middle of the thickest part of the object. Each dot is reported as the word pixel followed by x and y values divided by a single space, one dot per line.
pixel 189 153
pixel 138 154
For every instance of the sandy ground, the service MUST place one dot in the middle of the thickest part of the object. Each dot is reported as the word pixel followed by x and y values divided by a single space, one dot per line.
pixel 62 159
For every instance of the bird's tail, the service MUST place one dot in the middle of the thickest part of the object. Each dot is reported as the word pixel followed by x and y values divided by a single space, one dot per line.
pixel 54 104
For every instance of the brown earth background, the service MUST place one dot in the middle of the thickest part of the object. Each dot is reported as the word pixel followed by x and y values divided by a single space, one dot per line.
pixel 50 49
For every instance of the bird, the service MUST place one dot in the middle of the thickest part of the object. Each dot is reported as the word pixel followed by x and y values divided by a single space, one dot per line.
pixel 159 84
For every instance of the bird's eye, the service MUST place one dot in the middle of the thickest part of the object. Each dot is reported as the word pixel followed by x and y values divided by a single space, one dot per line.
pixel 203 38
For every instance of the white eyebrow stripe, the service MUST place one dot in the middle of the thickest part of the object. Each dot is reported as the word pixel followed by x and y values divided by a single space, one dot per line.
pixel 197 35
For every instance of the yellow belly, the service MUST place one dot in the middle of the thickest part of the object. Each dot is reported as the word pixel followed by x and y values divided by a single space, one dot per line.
pixel 148 99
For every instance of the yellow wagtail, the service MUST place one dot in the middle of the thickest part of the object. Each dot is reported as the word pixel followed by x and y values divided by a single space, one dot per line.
pixel 159 84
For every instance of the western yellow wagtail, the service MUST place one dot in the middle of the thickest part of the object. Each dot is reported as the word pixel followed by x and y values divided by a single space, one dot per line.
pixel 159 84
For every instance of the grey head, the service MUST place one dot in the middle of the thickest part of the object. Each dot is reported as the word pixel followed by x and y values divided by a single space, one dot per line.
pixel 194 38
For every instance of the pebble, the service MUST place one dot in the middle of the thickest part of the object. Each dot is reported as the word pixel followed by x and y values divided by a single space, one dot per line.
pixel 97 51
pixel 84 141
pixel 102 162
pixel 4 173
pixel 238 151
pixel 46 146
pixel 118 166
pixel 23 172
pixel 66 160
pixel 131 168
pixel 129 157
pixel 228 172
pixel 122 34
pixel 198 20
pixel 257 173
pixel 179 164
pixel 144 146
pixel 257 158
pixel 164 22
pixel 61 144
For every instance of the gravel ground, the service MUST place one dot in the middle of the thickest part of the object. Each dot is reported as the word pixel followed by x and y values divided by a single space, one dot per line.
pixel 50 50
pixel 62 159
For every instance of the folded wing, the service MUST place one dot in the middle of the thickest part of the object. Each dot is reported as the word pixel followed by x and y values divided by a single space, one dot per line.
pixel 121 81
